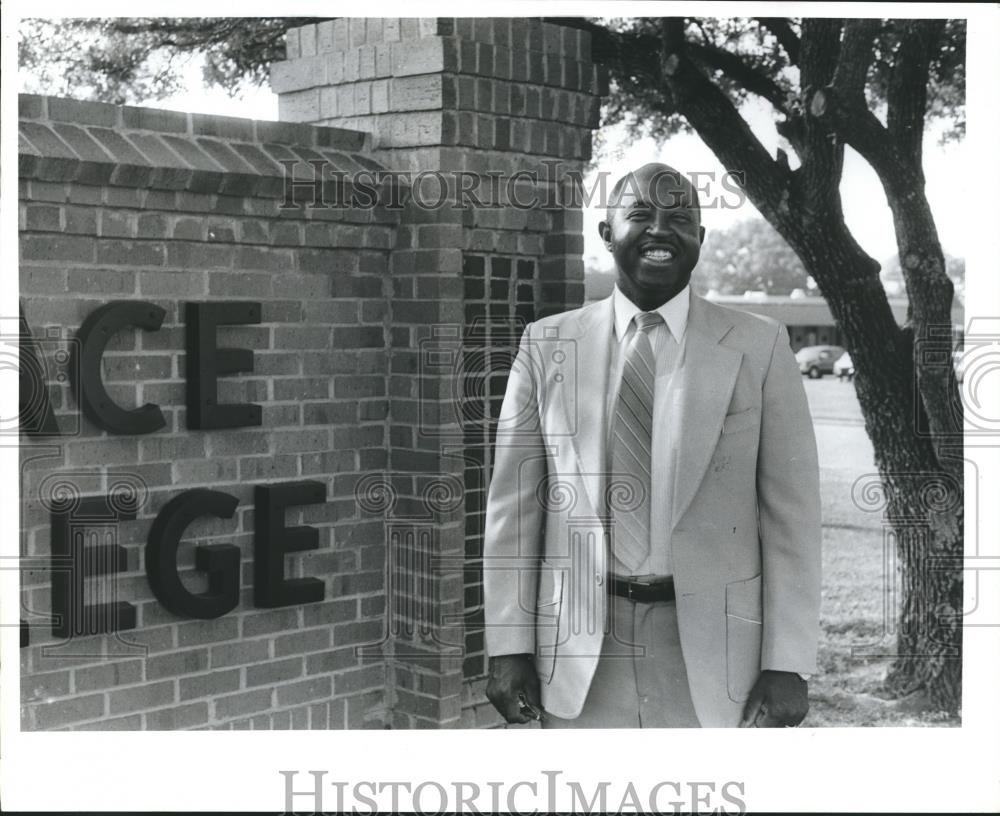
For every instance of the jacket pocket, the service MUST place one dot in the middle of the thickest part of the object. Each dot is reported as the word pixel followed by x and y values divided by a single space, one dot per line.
pixel 740 421
pixel 547 612
pixel 744 628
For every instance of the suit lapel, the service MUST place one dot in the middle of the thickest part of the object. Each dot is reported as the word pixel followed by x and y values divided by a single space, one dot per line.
pixel 584 389
pixel 704 388
pixel 696 409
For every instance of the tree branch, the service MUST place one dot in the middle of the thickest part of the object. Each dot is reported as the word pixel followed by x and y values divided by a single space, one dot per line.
pixel 739 71
pixel 820 49
pixel 929 289
pixel 712 114
pixel 792 129
pixel 855 57
pixel 822 153
pixel 907 91
pixel 782 29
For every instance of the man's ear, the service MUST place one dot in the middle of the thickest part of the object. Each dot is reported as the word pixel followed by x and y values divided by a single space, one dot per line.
pixel 701 235
pixel 604 228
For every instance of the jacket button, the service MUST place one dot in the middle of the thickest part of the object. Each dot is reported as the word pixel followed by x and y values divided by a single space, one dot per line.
pixel 599 579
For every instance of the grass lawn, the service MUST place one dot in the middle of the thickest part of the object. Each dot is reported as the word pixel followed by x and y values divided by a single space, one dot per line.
pixel 858 612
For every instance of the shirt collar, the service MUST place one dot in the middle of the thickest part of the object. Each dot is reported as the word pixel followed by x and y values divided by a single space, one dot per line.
pixel 674 312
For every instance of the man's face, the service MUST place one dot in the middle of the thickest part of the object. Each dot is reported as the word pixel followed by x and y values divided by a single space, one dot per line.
pixel 654 233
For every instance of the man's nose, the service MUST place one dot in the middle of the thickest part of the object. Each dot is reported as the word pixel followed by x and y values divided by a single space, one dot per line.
pixel 659 225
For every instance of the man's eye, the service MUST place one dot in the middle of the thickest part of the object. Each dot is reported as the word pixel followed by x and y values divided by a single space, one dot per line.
pixel 636 215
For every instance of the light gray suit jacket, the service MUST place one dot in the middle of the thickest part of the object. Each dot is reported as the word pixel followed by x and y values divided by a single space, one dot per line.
pixel 743 513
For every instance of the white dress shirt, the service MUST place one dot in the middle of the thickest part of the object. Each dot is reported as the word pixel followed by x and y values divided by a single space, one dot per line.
pixel 667 340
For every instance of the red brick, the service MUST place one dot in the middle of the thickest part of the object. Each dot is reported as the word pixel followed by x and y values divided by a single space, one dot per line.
pixel 56 714
pixel 245 703
pixel 362 632
pixel 198 632
pixel 81 220
pixel 152 225
pixel 238 443
pixel 117 224
pixel 269 621
pixel 307 287
pixel 104 451
pixel 234 654
pixel 358 583
pixel 44 686
pixel 267 467
pixel 149 695
pixel 351 387
pixel 42 217
pixel 207 472
pixel 57 248
pixel 108 675
pixel 131 253
pixel 199 256
pixel 123 197
pixel 327 413
pixel 41 281
pixel 209 685
pixel 137 368
pixel 310 640
pixel 331 661
pixel 314 689
pixel 274 672
pixel 172 719
pixel 367 710
pixel 168 665
pixel 359 437
pixel 299 441
pixel 328 612
pixel 319 716
pixel 133 722
pixel 31 106
pixel 240 284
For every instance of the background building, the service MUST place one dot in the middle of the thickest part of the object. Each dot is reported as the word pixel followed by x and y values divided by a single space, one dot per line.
pixel 807 317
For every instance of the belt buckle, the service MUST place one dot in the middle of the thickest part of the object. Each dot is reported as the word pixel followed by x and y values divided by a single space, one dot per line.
pixel 637 583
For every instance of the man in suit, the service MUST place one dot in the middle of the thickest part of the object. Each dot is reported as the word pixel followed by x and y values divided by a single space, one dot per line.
pixel 652 546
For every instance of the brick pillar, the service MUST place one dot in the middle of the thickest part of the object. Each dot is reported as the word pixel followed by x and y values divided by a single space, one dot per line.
pixel 475 99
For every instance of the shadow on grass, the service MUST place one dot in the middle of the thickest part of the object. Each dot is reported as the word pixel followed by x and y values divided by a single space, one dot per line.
pixel 858 619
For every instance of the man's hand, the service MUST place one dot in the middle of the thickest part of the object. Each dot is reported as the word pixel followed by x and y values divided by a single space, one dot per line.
pixel 778 699
pixel 512 676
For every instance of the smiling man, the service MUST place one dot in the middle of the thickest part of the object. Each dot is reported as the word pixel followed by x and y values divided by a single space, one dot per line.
pixel 652 549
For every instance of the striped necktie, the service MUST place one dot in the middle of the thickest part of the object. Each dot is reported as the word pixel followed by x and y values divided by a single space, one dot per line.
pixel 631 444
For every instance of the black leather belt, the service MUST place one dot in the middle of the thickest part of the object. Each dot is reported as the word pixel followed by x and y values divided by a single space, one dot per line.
pixel 644 588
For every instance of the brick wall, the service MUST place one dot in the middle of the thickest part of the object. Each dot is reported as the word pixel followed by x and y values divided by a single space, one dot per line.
pixel 514 98
pixel 132 204
pixel 380 363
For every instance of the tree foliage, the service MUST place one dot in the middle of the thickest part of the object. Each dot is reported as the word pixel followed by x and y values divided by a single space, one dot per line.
pixel 749 255
pixel 135 59
pixel 758 57
pixel 132 59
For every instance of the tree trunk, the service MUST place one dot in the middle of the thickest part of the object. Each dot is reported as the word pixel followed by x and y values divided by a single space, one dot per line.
pixel 922 502
pixel 908 406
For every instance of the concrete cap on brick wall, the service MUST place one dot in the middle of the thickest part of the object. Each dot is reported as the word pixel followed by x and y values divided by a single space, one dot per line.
pixel 61 140
pixel 359 49
pixel 521 33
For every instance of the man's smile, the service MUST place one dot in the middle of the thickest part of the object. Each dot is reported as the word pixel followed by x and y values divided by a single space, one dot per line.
pixel 657 253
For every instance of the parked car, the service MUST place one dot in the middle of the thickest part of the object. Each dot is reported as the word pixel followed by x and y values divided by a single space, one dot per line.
pixel 844 367
pixel 815 361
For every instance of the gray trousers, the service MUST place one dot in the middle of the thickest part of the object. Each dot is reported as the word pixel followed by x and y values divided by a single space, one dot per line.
pixel 640 680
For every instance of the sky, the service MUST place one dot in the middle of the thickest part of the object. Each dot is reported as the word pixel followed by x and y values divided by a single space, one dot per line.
pixel 865 207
